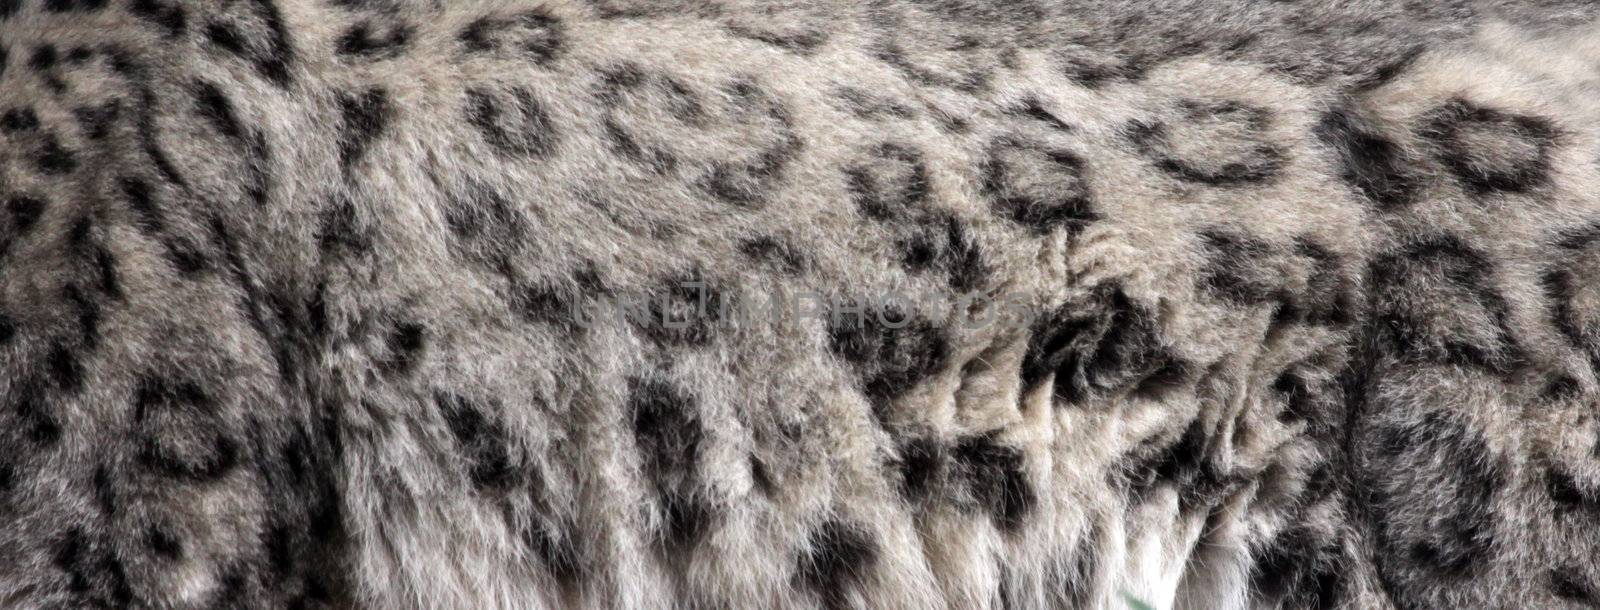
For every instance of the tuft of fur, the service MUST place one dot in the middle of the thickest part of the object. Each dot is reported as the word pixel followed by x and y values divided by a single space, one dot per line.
pixel 577 304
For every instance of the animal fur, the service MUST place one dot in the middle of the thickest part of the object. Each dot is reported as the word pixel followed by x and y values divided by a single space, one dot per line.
pixel 1290 304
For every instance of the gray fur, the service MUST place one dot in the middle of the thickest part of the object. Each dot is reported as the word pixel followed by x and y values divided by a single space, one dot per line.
pixel 1292 304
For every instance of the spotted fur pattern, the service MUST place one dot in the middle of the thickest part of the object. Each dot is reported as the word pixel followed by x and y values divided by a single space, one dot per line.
pixel 1297 304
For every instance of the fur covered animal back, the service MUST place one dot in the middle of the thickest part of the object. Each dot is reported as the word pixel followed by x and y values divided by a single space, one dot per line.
pixel 889 304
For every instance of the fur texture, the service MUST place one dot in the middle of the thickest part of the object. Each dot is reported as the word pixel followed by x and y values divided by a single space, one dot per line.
pixel 1293 304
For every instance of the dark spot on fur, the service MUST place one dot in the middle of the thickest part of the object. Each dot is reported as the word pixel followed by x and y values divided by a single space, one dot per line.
pixel 18 120
pixel 688 517
pixel 79 55
pixel 1235 274
pixel 88 316
pixel 629 95
pixel 761 477
pixel 1050 345
pixel 1104 343
pixel 342 230
pixel 1371 163
pixel 1562 387
pixel 44 57
pixel 891 350
pixel 557 549
pixel 1184 465
pixel 1329 297
pixel 802 42
pixel 365 118
pixel 748 184
pixel 1569 583
pixel 80 235
pixel 1321 483
pixel 995 475
pixel 182 433
pixel 1569 494
pixel 106 266
pixel 270 56
pixel 1093 74
pixel 164 543
pixel 1233 137
pixel 145 124
pixel 8 477
pixel 100 259
pixel 482 440
pixel 1076 576
pixel 521 127
pixel 226 36
pixel 25 212
pixel 55 159
pixel 666 425
pixel 214 106
pixel 1187 464
pixel 1438 304
pixel 771 250
pixel 279 543
pixel 362 41
pixel 231 587
pixel 962 76
pixel 837 558
pixel 942 242
pixel 96 121
pixel 684 311
pixel 871 107
pixel 168 17
pixel 921 464
pixel 1034 109
pixel 891 185
pixel 635 9
pixel 548 303
pixel 1434 482
pixel 405 346
pixel 8 329
pixel 534 34
pixel 1308 402
pixel 1492 151
pixel 1566 289
pixel 1298 570
pixel 68 6
pixel 472 214
pixel 39 425
pixel 1375 75
pixel 147 215
pixel 624 143
pixel 1039 188
pixel 668 432
pixel 95 577
pixel 65 369
pixel 105 492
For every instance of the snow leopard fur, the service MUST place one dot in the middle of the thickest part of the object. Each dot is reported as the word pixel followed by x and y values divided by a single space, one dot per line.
pixel 837 304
